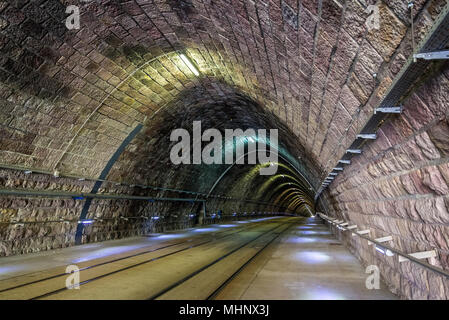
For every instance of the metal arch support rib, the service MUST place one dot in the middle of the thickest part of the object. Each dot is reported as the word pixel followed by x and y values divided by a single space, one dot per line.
pixel 232 165
pixel 103 175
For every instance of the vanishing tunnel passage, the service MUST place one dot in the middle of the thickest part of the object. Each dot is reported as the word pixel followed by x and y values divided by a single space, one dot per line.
pixel 185 149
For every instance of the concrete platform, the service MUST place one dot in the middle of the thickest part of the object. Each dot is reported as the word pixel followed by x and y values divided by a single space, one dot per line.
pixel 34 262
pixel 306 262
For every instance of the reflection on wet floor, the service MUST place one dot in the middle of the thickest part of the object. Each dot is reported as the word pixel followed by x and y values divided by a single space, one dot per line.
pixel 308 263
pixel 27 263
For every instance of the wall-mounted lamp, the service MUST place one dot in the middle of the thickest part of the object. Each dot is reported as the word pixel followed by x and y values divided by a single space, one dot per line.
pixel 86 221
pixel 358 151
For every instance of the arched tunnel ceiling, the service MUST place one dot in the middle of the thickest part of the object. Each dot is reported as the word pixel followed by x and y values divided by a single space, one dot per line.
pixel 70 97
pixel 147 159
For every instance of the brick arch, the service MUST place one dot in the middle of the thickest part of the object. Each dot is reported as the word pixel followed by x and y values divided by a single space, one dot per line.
pixel 266 51
pixel 233 110
pixel 312 64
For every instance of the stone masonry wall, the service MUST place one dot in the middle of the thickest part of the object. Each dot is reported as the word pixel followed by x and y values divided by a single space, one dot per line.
pixel 33 224
pixel 309 62
pixel 399 186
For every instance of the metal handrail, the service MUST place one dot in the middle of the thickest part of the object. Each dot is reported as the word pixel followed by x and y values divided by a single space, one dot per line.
pixel 92 195
pixel 82 196
pixel 81 178
pixel 146 217
pixel 399 253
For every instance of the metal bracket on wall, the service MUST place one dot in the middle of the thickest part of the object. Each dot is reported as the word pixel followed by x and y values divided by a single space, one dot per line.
pixel 389 251
pixel 368 136
pixel 436 55
pixel 420 255
pixel 433 46
pixel 397 109
pixel 382 239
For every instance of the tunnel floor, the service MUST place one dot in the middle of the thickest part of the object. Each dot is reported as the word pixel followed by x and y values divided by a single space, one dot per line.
pixel 278 258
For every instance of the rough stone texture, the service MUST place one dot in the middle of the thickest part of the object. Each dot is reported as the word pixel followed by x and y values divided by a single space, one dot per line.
pixel 48 223
pixel 399 187
pixel 68 99
pixel 120 67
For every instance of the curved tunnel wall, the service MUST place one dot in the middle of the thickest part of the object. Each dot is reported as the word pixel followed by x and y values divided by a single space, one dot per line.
pixel 69 98
pixel 145 161
pixel 399 187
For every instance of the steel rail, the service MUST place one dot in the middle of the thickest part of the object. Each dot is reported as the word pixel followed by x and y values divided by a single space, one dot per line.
pixel 191 275
pixel 142 262
pixel 132 256
pixel 236 273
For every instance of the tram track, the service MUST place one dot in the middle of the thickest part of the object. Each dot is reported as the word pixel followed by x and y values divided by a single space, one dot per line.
pixel 195 277
pixel 165 251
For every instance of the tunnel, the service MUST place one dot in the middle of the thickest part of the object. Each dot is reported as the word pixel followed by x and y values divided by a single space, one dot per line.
pixel 298 149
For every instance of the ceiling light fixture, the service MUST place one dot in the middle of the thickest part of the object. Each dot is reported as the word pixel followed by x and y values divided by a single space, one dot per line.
pixel 189 64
